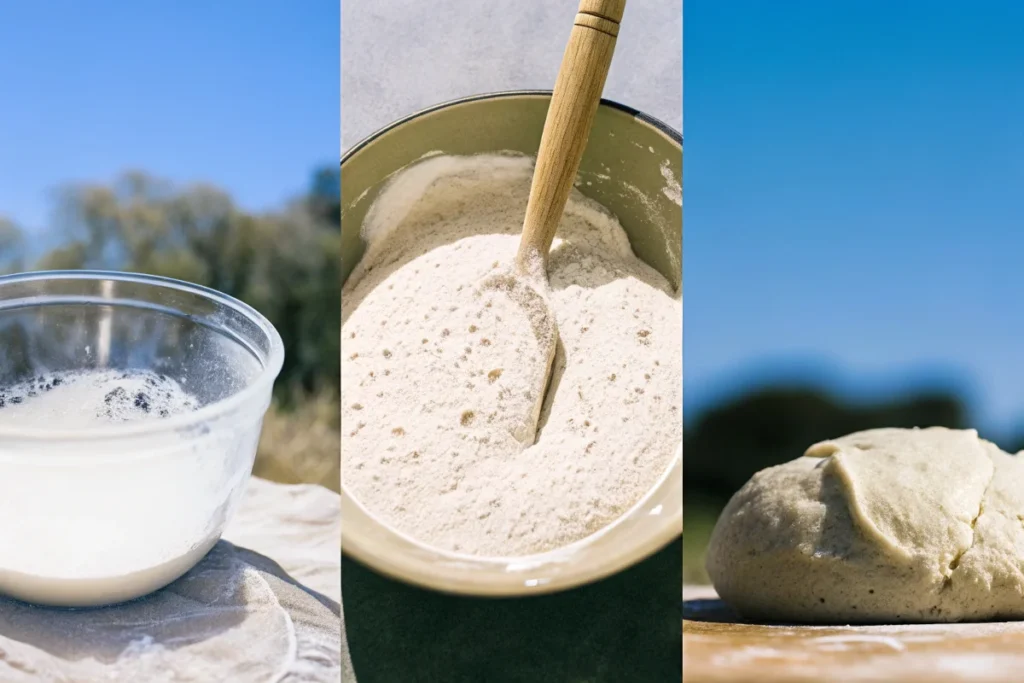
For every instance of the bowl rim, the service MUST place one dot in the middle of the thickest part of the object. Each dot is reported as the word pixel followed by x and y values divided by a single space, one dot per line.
pixel 500 94
pixel 271 367
pixel 400 570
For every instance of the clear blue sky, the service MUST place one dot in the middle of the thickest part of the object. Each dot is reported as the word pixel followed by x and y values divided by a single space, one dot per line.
pixel 241 93
pixel 855 198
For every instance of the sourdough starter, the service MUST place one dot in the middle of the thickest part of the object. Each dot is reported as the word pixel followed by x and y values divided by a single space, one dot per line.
pixel 81 531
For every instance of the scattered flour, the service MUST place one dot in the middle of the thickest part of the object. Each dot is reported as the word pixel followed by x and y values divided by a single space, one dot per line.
pixel 432 386
pixel 673 190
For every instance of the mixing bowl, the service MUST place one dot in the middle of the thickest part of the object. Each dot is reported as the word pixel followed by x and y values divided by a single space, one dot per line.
pixel 106 512
pixel 633 166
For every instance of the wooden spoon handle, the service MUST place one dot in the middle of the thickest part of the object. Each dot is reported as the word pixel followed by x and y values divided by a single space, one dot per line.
pixel 570 116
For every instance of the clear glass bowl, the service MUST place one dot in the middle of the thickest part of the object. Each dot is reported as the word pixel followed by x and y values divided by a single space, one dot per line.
pixel 627 166
pixel 107 513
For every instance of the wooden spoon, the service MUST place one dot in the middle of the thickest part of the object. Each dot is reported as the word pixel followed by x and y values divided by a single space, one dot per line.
pixel 567 127
pixel 571 113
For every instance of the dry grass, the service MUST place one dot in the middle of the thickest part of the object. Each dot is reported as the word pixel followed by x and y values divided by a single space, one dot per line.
pixel 302 445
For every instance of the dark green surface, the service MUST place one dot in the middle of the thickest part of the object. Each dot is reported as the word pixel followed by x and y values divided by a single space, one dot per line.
pixel 625 629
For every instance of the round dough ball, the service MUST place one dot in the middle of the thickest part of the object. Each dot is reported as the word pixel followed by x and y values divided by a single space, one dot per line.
pixel 881 526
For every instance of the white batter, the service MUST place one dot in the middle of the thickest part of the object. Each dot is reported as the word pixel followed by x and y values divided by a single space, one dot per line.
pixel 82 528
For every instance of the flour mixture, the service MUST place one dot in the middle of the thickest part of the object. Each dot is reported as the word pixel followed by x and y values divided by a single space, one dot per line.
pixel 431 396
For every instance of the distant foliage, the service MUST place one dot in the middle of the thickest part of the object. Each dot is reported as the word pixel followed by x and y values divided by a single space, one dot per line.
pixel 284 264
pixel 12 247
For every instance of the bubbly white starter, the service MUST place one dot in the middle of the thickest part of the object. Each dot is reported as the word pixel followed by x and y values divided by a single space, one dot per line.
pixel 85 524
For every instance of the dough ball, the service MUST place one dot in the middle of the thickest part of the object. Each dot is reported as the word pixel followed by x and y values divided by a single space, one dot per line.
pixel 881 526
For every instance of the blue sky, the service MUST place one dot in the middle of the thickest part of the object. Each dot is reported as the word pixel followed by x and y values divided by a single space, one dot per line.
pixel 854 205
pixel 241 93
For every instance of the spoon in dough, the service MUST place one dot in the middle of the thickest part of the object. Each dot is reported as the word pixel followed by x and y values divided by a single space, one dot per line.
pixel 574 102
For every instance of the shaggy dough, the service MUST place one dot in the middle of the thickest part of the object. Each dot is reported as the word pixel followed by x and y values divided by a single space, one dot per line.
pixel 886 525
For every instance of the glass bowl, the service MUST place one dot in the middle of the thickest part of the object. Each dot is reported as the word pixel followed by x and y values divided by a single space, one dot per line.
pixel 104 512
pixel 633 166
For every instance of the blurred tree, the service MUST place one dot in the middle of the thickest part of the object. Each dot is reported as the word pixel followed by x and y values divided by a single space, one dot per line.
pixel 12 247
pixel 285 264
pixel 728 444
pixel 324 198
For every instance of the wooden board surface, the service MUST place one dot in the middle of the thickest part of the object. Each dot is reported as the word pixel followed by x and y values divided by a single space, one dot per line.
pixel 719 647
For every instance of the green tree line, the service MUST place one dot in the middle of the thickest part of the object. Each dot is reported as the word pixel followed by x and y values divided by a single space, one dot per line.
pixel 284 263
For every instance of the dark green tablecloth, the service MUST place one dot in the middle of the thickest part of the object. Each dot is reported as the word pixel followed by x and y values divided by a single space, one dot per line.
pixel 625 629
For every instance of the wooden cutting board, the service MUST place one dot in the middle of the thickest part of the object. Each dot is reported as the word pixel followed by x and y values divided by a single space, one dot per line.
pixel 719 647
